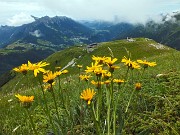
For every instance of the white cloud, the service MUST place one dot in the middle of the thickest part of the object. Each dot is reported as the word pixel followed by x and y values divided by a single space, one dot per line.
pixel 129 10
pixel 13 12
pixel 20 19
pixel 36 33
pixel 124 10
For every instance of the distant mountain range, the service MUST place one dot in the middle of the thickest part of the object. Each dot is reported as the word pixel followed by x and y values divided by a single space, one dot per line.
pixel 37 40
pixel 57 30
pixel 166 31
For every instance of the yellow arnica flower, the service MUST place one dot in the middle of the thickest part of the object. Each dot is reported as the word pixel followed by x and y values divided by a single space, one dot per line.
pixel 97 84
pixel 22 69
pixel 138 86
pixel 107 82
pixel 126 61
pixel 37 68
pixel 25 99
pixel 135 65
pixel 64 71
pixel 99 71
pixel 85 77
pixel 99 60
pixel 79 66
pixel 112 68
pixel 93 67
pixel 146 63
pixel 130 64
pixel 109 61
pixel 49 77
pixel 118 81
pixel 87 95
pixel 58 73
pixel 48 87
pixel 106 75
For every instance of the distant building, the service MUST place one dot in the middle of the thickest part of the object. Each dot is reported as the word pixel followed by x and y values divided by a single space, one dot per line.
pixel 130 40
pixel 91 47
pixel 147 39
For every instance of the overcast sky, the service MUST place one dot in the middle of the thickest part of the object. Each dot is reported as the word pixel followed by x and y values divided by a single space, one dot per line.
pixel 17 12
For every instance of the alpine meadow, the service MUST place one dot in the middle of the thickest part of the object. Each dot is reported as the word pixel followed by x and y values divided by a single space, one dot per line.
pixel 117 87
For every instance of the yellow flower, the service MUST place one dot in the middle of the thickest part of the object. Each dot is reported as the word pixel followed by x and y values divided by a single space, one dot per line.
pixel 112 68
pixel 25 99
pixel 99 60
pixel 97 84
pixel 146 63
pixel 109 61
pixel 99 71
pixel 138 86
pixel 107 82
pixel 85 77
pixel 93 67
pixel 107 75
pixel 37 68
pixel 49 77
pixel 64 71
pixel 22 69
pixel 79 66
pixel 58 73
pixel 48 87
pixel 130 64
pixel 118 81
pixel 126 61
pixel 87 95
pixel 135 65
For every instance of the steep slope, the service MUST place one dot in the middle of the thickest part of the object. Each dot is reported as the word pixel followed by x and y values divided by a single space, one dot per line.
pixel 6 34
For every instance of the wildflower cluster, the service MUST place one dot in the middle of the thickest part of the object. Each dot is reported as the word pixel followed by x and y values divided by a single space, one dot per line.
pixel 36 68
pixel 104 67
pixel 100 73
pixel 48 80
pixel 101 94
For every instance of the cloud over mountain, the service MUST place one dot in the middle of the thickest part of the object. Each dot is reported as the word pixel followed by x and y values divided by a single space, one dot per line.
pixel 133 11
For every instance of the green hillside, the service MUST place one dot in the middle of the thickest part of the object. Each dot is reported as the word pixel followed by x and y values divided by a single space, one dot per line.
pixel 152 110
pixel 80 55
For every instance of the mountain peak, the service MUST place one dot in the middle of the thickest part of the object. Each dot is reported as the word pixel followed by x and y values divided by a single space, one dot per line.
pixel 35 18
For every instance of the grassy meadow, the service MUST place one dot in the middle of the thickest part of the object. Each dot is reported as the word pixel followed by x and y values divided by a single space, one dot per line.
pixel 114 95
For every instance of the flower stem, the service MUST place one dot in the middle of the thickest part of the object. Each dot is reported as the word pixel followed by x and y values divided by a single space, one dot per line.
pixel 99 99
pixel 54 98
pixel 96 122
pixel 129 101
pixel 46 106
pixel 31 120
